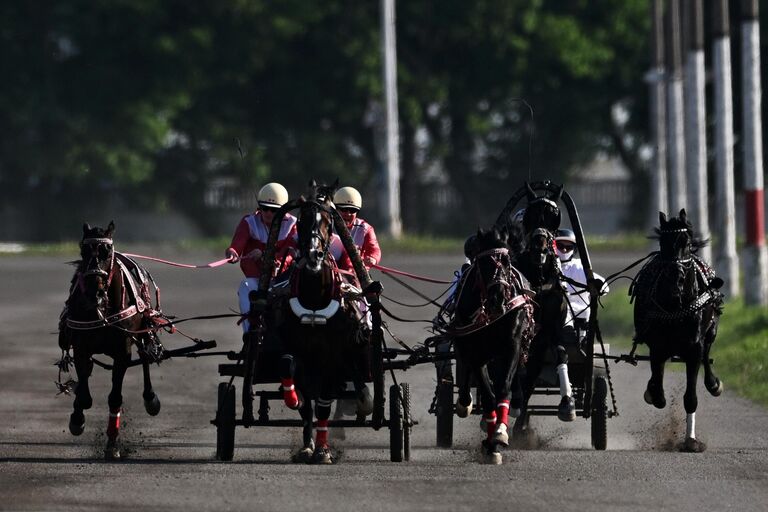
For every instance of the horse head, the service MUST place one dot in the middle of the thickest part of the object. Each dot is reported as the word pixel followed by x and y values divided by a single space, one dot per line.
pixel 96 265
pixel 315 225
pixel 675 237
pixel 542 212
pixel 491 273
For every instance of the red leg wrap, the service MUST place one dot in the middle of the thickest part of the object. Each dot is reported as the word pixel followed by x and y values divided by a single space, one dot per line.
pixel 290 397
pixel 113 424
pixel 321 438
pixel 503 411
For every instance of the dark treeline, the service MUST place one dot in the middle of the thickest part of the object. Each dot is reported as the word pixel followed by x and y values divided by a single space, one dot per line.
pixel 139 103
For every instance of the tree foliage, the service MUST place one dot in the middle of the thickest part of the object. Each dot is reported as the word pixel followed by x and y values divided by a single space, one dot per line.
pixel 143 101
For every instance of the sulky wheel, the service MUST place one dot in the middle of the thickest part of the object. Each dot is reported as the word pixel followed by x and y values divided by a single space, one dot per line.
pixel 600 413
pixel 444 414
pixel 405 391
pixel 225 422
pixel 396 436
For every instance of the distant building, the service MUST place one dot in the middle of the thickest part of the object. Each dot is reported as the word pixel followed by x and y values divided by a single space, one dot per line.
pixel 601 191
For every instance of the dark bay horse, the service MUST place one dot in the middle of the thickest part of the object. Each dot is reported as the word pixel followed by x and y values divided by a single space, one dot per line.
pixel 319 329
pixel 541 267
pixel 106 313
pixel 677 310
pixel 491 328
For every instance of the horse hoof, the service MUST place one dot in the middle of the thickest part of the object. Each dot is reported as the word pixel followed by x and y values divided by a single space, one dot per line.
pixel 76 423
pixel 112 451
pixel 152 406
pixel 501 436
pixel 566 411
pixel 658 403
pixel 691 445
pixel 490 454
pixel 303 456
pixel 462 411
pixel 322 455
pixel 717 389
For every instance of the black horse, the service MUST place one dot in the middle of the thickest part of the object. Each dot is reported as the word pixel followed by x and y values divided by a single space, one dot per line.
pixel 677 311
pixel 320 331
pixel 541 267
pixel 491 329
pixel 108 311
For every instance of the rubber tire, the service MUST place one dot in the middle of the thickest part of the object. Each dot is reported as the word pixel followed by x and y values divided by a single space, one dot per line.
pixel 444 415
pixel 599 414
pixel 405 391
pixel 225 423
pixel 395 425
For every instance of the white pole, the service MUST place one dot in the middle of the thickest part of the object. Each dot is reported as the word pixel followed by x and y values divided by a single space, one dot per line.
pixel 755 261
pixel 676 131
pixel 655 79
pixel 727 261
pixel 391 214
pixel 695 125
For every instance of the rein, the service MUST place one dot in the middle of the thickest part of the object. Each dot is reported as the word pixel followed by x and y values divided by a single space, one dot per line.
pixel 213 264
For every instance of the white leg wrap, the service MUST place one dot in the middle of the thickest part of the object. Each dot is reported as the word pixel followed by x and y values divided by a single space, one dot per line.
pixel 565 382
pixel 248 285
pixel 690 425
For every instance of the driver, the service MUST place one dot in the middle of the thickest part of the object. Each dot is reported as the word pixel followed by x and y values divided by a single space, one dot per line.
pixel 250 241
pixel 349 202
pixel 572 268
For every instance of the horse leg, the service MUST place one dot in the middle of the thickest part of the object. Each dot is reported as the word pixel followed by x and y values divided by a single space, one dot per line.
pixel 83 399
pixel 305 454
pixel 528 382
pixel 690 401
pixel 151 401
pixel 322 454
pixel 464 401
pixel 654 393
pixel 566 411
pixel 115 401
pixel 713 384
pixel 291 397
pixel 491 446
pixel 504 370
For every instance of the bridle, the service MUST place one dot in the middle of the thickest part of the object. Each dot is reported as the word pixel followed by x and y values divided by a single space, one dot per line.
pixel 315 244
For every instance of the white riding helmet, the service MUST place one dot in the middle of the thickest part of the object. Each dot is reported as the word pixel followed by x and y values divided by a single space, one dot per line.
pixel 272 195
pixel 348 197
pixel 569 238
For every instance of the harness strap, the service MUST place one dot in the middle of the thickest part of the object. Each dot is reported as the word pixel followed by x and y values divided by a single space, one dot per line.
pixel 103 322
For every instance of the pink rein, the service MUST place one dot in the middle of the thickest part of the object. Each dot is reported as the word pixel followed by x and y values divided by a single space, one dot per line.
pixel 213 264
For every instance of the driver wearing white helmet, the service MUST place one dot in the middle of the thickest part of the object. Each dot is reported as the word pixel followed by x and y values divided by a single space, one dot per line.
pixel 250 241
pixel 349 201
pixel 572 268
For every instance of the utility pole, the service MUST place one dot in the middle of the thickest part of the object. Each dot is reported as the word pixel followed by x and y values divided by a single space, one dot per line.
pixel 656 83
pixel 695 122
pixel 676 132
pixel 391 189
pixel 727 261
pixel 756 278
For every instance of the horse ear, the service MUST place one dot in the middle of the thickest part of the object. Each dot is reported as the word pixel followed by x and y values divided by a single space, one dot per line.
pixel 682 214
pixel 662 218
pixel 312 183
pixel 86 228
pixel 335 184
pixel 110 229
pixel 529 192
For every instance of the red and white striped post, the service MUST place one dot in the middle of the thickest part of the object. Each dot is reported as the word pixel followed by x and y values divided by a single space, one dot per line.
pixel 754 260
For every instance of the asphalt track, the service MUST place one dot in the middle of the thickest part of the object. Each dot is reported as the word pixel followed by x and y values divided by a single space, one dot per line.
pixel 170 462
